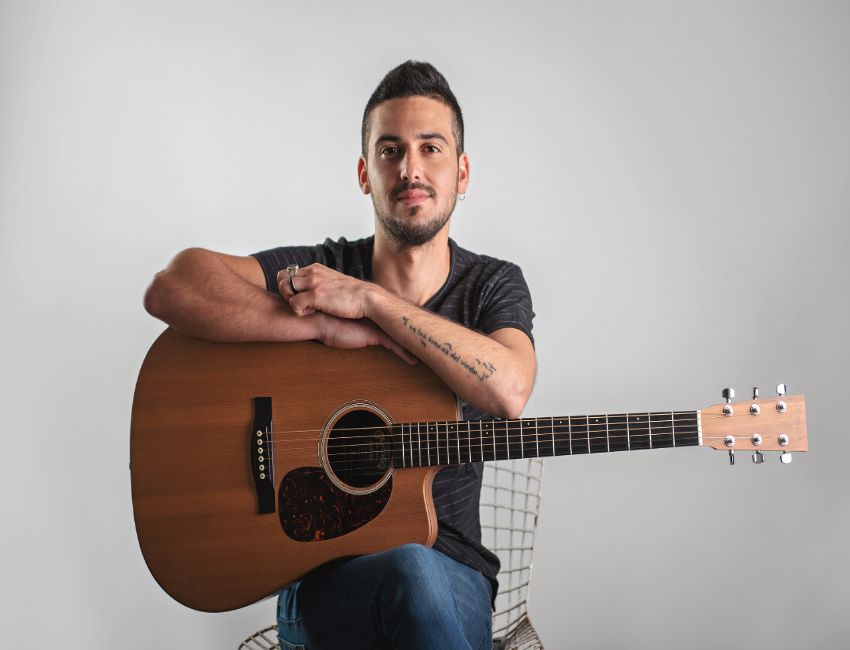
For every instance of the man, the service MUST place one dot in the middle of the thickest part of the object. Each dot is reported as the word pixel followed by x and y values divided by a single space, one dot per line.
pixel 413 290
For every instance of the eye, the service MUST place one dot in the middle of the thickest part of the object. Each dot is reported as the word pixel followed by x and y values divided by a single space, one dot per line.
pixel 431 148
pixel 389 151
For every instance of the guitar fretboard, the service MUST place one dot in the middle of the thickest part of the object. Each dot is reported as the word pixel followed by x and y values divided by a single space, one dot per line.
pixel 422 444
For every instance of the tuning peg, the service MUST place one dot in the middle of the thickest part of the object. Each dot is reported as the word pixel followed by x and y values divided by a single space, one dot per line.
pixel 732 457
pixel 780 389
pixel 728 394
pixel 758 457
pixel 755 392
pixel 786 457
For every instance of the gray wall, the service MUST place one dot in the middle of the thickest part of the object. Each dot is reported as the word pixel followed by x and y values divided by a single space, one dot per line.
pixel 672 177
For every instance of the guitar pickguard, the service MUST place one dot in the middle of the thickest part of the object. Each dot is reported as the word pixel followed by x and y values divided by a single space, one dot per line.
pixel 313 509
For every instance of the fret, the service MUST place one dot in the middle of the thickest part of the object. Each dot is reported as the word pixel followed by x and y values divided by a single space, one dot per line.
pixel 500 440
pixel 544 437
pixel 638 424
pixel 686 429
pixel 661 425
pixel 552 425
pixel 514 438
pixel 444 446
pixel 579 435
pixel 463 427
pixel 597 434
pixel 480 441
pixel 403 454
pixel 618 439
pixel 673 427
pixel 530 445
pixel 536 440
pixel 488 440
pixel 561 436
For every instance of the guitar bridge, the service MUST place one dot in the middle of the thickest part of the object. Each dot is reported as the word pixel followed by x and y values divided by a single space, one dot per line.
pixel 262 455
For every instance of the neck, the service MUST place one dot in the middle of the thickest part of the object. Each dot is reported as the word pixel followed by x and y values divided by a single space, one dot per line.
pixel 413 273
pixel 421 444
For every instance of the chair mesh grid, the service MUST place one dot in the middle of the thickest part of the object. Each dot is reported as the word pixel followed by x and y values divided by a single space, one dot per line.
pixel 510 502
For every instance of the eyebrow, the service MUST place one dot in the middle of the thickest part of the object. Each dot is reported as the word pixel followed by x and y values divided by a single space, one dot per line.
pixel 420 136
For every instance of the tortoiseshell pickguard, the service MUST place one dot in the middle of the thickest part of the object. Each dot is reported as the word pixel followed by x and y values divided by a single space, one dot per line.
pixel 313 509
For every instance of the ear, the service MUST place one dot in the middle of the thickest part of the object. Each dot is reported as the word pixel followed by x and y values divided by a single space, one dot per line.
pixel 462 173
pixel 363 176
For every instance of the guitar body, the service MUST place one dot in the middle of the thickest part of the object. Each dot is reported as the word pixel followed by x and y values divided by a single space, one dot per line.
pixel 195 499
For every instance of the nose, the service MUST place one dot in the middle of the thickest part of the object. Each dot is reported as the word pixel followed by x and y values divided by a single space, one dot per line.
pixel 411 166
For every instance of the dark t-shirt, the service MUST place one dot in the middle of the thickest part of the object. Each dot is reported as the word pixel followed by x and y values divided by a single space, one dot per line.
pixel 481 293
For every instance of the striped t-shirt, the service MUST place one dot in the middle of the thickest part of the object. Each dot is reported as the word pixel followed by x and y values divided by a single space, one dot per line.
pixel 481 293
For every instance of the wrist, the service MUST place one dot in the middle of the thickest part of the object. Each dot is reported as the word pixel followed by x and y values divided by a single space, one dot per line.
pixel 317 323
pixel 373 297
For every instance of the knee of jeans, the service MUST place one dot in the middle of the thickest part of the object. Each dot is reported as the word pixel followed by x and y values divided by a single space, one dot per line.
pixel 411 564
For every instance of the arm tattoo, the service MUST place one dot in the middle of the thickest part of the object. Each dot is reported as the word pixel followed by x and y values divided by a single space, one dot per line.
pixel 481 370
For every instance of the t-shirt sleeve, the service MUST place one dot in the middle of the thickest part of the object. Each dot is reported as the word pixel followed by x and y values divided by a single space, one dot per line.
pixel 277 259
pixel 507 302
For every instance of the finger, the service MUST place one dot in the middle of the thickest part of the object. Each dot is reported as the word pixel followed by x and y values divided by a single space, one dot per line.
pixel 283 284
pixel 300 304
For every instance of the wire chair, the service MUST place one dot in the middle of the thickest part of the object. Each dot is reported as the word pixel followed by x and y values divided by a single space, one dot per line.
pixel 510 502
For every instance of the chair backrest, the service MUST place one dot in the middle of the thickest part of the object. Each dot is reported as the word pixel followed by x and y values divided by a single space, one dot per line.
pixel 510 502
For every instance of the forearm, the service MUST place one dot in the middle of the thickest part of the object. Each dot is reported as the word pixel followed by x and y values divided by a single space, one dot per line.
pixel 481 370
pixel 200 295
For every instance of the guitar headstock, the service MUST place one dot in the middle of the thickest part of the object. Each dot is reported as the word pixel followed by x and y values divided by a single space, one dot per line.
pixel 757 425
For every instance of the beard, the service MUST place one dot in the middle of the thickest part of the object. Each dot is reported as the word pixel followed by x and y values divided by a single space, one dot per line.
pixel 403 231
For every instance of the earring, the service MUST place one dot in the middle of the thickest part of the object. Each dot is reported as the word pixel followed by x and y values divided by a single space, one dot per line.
pixel 461 197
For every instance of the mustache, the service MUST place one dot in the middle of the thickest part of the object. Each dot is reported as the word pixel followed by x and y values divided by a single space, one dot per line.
pixel 407 186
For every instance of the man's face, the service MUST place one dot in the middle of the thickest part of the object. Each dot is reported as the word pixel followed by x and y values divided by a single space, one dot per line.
pixel 412 169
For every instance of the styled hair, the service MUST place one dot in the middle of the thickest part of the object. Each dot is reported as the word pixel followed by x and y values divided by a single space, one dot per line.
pixel 414 79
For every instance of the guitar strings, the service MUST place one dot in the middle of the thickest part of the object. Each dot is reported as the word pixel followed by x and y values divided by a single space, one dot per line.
pixel 526 423
pixel 636 428
pixel 487 444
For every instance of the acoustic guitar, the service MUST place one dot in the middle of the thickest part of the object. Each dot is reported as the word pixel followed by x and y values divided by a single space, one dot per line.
pixel 253 463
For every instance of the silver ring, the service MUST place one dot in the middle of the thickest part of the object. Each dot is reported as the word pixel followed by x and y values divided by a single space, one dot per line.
pixel 292 269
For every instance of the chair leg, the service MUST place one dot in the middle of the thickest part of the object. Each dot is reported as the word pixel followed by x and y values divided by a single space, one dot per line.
pixel 522 637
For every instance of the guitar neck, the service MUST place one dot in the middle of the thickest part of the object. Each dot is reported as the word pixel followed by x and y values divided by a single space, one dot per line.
pixel 422 444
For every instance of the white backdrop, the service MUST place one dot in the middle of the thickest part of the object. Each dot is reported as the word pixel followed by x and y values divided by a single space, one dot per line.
pixel 671 176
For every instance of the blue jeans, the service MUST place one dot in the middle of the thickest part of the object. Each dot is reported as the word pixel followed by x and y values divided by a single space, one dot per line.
pixel 408 597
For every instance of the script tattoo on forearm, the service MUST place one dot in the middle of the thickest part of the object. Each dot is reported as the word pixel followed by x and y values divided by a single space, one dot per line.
pixel 482 370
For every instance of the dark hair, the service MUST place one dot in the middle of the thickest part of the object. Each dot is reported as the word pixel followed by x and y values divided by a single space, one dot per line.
pixel 414 79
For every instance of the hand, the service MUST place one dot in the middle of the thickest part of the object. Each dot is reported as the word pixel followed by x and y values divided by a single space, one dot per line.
pixel 350 334
pixel 319 288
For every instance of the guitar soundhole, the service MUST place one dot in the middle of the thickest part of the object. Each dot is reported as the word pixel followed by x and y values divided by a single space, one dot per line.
pixel 358 449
